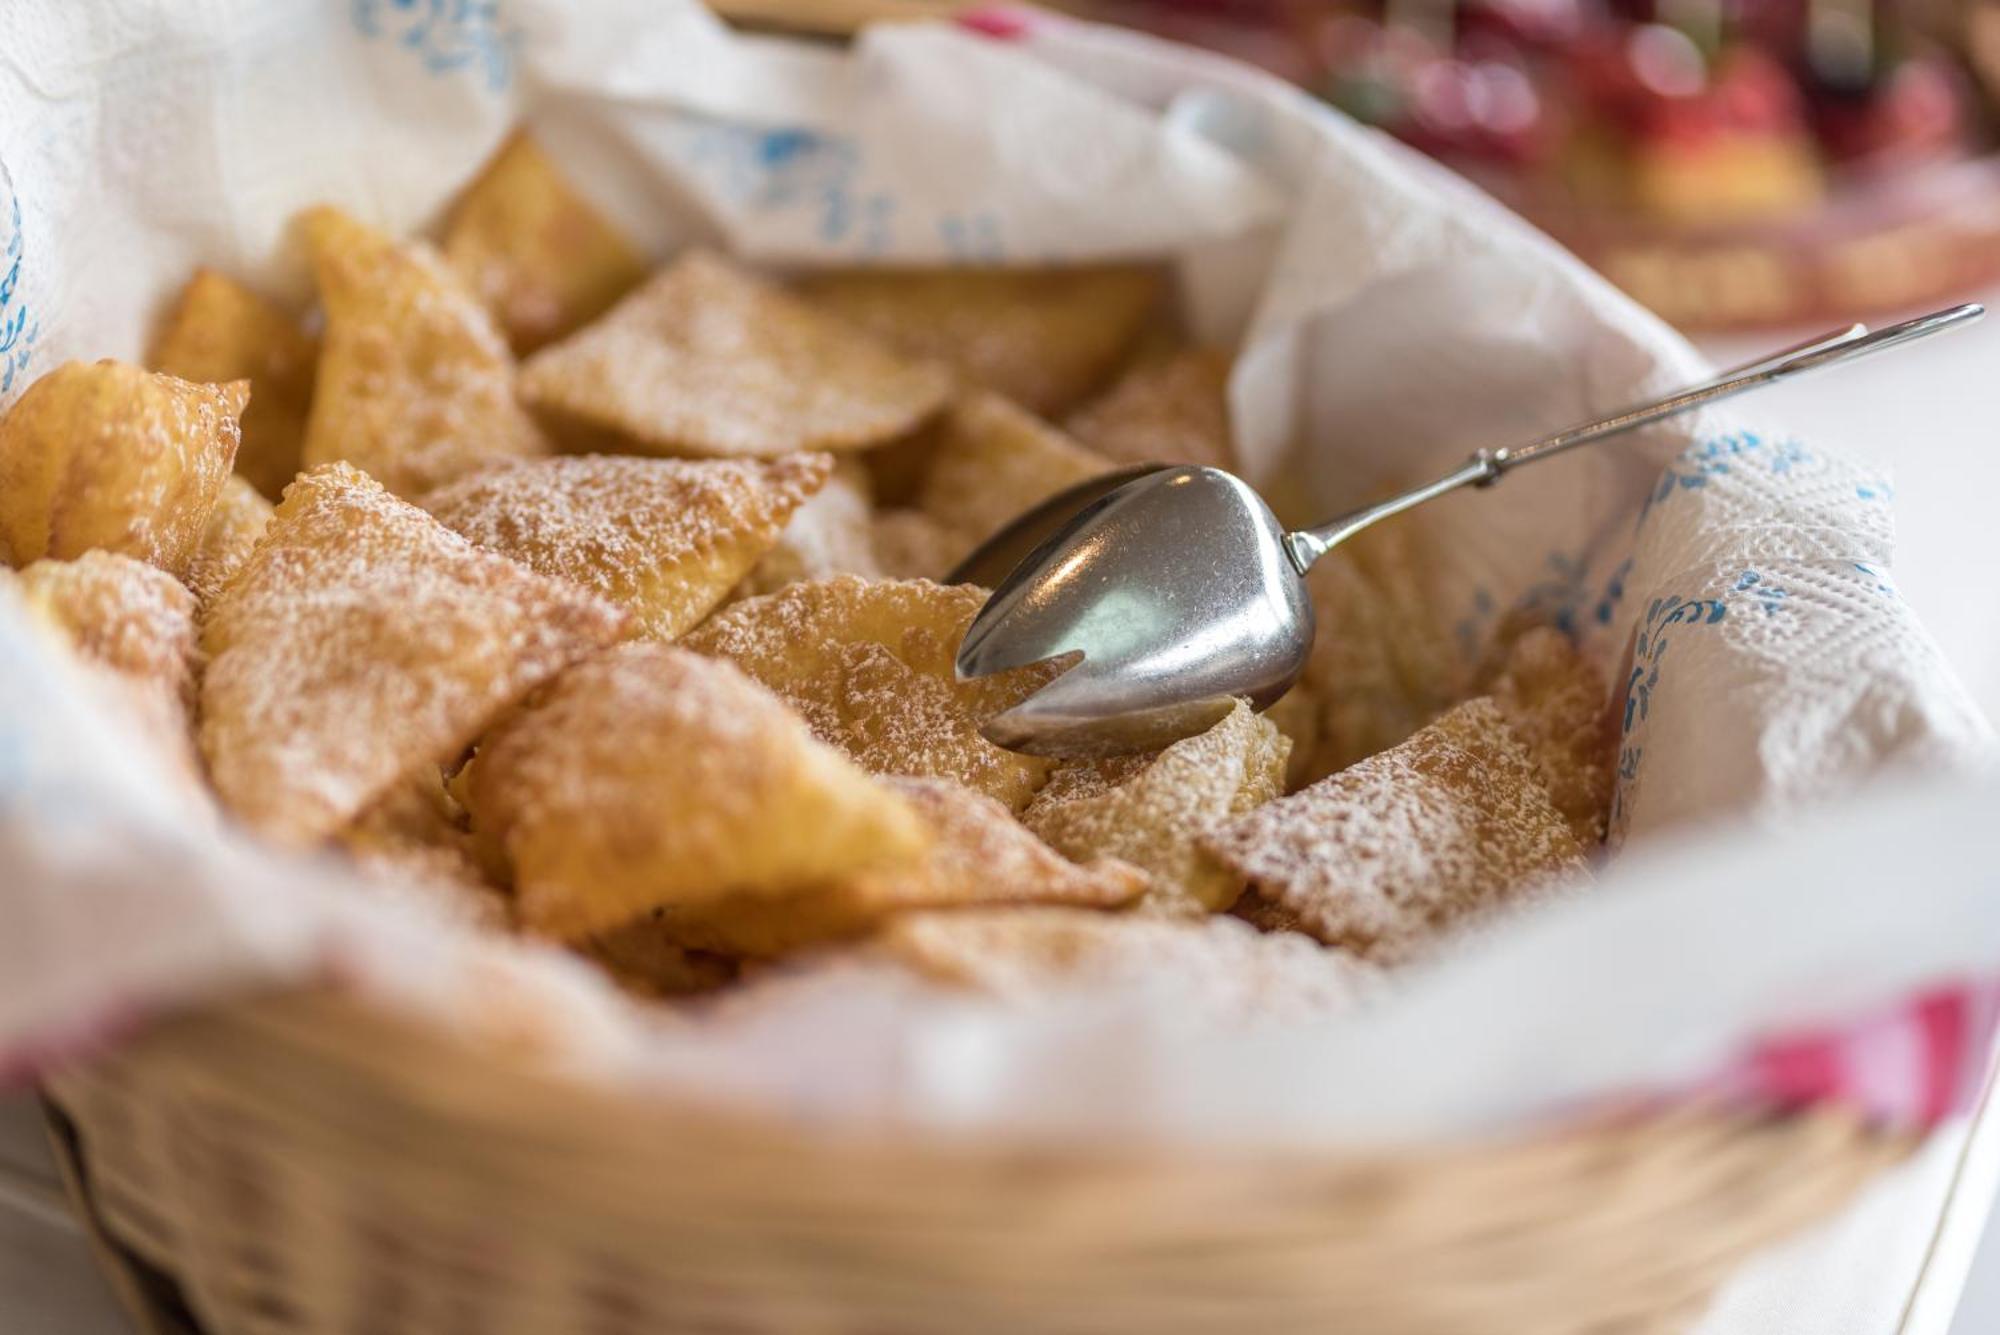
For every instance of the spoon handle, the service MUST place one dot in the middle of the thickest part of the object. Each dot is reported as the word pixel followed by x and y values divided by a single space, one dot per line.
pixel 1489 466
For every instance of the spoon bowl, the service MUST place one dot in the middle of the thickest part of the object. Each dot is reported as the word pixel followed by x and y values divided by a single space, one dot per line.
pixel 1169 597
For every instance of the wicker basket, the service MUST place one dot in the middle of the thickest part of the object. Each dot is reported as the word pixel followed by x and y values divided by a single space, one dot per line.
pixel 300 1165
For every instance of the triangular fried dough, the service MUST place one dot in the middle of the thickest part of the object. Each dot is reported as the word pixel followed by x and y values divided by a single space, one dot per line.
pixel 992 461
pixel 1045 338
pixel 650 777
pixel 979 856
pixel 708 359
pixel 1384 856
pixel 123 615
pixel 134 626
pixel 234 525
pixel 1384 663
pixel 1224 970
pixel 1174 410
pixel 535 251
pixel 413 844
pixel 104 455
pixel 1148 811
pixel 831 534
pixel 415 385
pixel 909 544
pixel 361 640
pixel 1558 704
pixel 665 539
pixel 219 331
pixel 869 664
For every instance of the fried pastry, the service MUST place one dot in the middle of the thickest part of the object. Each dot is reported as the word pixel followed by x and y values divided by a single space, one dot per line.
pixel 979 856
pixel 641 959
pixel 1044 338
pixel 1171 410
pixel 540 256
pixel 234 525
pixel 708 359
pixel 219 331
pixel 415 386
pixel 1221 968
pixel 104 455
pixel 1383 663
pixel 413 843
pixel 363 639
pixel 650 777
pixel 1149 810
pixel 666 539
pixel 909 544
pixel 832 533
pixel 869 665
pixel 990 461
pixel 1385 855
pixel 1558 704
pixel 133 625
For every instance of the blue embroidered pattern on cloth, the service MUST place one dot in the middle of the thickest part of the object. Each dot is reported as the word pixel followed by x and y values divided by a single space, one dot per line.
pixel 1721 455
pixel 786 169
pixel 19 330
pixel 447 36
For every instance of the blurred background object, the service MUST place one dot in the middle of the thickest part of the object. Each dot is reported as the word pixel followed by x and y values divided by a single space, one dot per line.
pixel 1732 163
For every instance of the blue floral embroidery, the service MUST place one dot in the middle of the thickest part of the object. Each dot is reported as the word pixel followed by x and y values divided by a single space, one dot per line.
pixel 1559 594
pixel 1614 593
pixel 1649 649
pixel 1767 596
pixel 1723 454
pixel 19 330
pixel 973 237
pixel 793 168
pixel 1875 490
pixel 1883 585
pixel 447 36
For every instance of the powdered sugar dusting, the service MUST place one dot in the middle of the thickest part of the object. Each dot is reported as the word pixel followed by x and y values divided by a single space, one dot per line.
pixel 362 639
pixel 1388 853
pixel 1175 410
pixel 869 665
pixel 664 538
pixel 706 358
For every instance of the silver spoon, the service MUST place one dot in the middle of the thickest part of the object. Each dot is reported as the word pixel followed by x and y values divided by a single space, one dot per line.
pixel 1167 592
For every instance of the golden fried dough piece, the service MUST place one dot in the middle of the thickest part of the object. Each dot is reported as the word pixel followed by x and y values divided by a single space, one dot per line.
pixel 219 331
pixel 1383 663
pixel 415 385
pixel 234 525
pixel 1045 338
pixel 363 639
pixel 413 843
pixel 535 251
pixel 120 614
pixel 133 624
pixel 909 544
pixel 1149 811
pixel 642 960
pixel 706 358
pixel 831 534
pixel 1174 410
pixel 665 539
pixel 1557 702
pixel 105 455
pixel 979 856
pixel 869 665
pixel 1384 856
pixel 650 777
pixel 991 461
pixel 1222 968
pixel 1301 716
